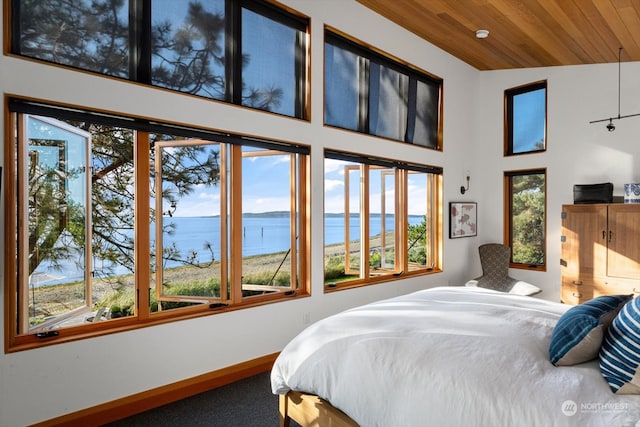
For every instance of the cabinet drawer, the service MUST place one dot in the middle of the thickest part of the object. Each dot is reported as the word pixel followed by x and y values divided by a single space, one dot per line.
pixel 574 294
pixel 619 287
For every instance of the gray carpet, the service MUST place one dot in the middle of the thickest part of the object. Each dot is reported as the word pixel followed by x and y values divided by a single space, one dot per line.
pixel 246 403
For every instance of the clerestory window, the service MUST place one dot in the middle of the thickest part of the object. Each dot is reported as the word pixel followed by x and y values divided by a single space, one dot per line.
pixel 526 119
pixel 246 52
pixel 122 223
pixel 368 92
pixel 382 219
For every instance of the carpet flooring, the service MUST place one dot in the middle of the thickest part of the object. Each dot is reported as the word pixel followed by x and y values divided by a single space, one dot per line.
pixel 246 403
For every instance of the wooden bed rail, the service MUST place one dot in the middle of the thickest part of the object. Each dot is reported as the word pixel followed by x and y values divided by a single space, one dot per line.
pixel 309 410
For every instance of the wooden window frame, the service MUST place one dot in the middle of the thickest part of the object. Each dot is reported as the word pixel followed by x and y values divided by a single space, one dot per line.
pixel 18 338
pixel 140 48
pixel 508 216
pixel 368 54
pixel 434 217
pixel 509 94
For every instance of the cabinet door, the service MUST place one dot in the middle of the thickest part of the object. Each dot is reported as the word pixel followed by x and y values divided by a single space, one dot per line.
pixel 623 258
pixel 584 246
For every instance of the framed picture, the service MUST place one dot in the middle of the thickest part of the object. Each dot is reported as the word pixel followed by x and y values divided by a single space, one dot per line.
pixel 463 219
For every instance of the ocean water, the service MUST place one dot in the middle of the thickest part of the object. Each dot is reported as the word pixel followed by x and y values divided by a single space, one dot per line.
pixel 200 237
pixel 266 234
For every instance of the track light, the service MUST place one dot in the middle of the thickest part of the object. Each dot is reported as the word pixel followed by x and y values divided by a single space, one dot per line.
pixel 610 126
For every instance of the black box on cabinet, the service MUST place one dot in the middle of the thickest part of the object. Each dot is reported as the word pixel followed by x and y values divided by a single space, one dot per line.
pixel 593 193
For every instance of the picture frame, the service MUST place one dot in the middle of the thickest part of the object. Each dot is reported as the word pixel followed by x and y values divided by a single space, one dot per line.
pixel 463 219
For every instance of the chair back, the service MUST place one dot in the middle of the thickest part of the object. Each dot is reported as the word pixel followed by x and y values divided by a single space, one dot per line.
pixel 494 259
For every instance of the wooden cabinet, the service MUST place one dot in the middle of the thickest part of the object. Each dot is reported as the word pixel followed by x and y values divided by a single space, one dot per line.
pixel 600 251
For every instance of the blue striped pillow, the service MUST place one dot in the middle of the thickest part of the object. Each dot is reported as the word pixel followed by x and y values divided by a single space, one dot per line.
pixel 578 335
pixel 620 352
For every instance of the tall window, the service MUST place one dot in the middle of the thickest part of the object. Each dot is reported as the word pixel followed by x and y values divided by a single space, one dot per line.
pixel 526 119
pixel 367 92
pixel 246 52
pixel 124 222
pixel 525 217
pixel 381 219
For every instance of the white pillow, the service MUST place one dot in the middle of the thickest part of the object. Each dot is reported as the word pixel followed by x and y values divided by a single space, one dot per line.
pixel 519 288
pixel 524 288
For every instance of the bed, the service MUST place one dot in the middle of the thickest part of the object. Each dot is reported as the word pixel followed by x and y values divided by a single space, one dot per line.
pixel 445 356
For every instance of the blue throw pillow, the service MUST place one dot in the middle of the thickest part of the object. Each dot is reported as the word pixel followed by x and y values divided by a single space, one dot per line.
pixel 620 352
pixel 579 333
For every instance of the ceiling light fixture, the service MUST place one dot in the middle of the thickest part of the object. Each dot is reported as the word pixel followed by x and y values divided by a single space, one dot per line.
pixel 610 126
pixel 482 34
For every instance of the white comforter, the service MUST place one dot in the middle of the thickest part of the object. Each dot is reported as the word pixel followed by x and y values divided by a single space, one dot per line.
pixel 449 356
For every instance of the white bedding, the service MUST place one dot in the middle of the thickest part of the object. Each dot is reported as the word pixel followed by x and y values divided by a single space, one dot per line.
pixel 449 356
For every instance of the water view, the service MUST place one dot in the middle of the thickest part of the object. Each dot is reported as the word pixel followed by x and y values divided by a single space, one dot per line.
pixel 262 234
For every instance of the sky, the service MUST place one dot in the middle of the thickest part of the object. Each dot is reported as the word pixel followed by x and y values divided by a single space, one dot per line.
pixel 529 120
pixel 266 188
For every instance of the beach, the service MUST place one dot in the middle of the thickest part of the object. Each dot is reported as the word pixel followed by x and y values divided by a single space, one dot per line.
pixel 56 299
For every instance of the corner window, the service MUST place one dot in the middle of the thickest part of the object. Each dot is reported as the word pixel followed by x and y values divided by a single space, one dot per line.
pixel 120 223
pixel 525 215
pixel 381 219
pixel 526 119
pixel 370 93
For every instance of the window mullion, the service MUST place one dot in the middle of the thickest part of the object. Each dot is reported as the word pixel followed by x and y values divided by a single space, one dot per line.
pixel 142 222
pixel 364 223
pixel 233 46
pixel 235 198
pixel 411 109
pixel 293 213
pixel 140 41
pixel 300 74
pixel 401 220
pixel 363 98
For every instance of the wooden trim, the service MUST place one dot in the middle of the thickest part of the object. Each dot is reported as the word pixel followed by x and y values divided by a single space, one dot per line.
pixel 10 243
pixel 150 399
pixel 507 223
pixel 309 410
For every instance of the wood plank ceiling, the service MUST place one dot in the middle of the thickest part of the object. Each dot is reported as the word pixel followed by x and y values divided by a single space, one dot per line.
pixel 522 33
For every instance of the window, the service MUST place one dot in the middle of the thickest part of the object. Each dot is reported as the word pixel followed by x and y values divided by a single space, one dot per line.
pixel 246 52
pixel 526 119
pixel 525 217
pixel 369 93
pixel 381 219
pixel 119 221
pixel 93 36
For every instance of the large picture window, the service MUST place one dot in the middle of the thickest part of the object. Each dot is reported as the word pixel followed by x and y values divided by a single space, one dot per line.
pixel 526 119
pixel 124 222
pixel 382 219
pixel 367 92
pixel 246 52
pixel 525 217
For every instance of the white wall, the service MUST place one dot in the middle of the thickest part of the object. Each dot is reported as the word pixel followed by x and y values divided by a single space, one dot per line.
pixel 44 383
pixel 577 152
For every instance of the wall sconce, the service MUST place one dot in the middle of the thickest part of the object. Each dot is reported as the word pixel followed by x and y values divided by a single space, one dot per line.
pixel 464 189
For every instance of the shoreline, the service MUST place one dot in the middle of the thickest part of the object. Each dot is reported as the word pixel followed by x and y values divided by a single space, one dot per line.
pixel 52 300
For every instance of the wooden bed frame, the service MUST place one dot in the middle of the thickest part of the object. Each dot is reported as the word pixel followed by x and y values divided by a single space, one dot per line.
pixel 309 410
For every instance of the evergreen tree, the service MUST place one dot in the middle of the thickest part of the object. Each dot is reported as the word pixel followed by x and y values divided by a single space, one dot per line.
pixel 528 209
pixel 95 35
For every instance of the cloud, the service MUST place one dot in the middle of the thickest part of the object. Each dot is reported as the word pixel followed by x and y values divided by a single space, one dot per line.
pixel 332 165
pixel 333 184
